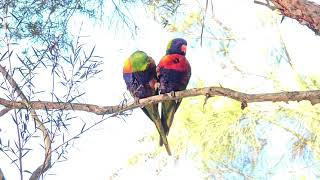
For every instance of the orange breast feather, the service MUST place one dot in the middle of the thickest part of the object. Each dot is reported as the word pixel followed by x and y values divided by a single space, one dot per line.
pixel 127 68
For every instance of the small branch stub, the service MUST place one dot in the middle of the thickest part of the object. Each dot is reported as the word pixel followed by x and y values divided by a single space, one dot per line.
pixel 244 105
pixel 206 99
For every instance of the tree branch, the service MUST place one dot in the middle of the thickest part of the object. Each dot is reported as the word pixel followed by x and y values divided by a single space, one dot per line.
pixel 47 142
pixel 313 96
pixel 4 111
pixel 1 175
pixel 304 11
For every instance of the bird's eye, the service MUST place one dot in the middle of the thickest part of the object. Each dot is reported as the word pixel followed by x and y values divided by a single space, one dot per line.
pixel 176 60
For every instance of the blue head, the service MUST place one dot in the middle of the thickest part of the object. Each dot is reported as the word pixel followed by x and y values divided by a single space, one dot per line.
pixel 177 46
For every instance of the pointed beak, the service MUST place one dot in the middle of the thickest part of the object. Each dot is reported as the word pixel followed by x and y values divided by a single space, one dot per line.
pixel 184 48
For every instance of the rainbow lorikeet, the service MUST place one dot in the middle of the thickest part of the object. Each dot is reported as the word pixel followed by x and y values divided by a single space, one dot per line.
pixel 174 72
pixel 139 74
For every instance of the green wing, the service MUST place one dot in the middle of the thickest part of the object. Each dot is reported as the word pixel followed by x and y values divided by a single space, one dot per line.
pixel 168 110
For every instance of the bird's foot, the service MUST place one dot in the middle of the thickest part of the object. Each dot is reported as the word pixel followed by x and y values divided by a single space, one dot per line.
pixel 172 94
pixel 136 100
pixel 157 85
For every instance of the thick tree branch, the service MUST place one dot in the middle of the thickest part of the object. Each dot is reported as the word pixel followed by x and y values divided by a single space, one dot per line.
pixel 1 175
pixel 47 142
pixel 313 96
pixel 305 12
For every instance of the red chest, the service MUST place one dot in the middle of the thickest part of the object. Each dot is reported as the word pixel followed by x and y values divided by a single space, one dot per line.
pixel 175 62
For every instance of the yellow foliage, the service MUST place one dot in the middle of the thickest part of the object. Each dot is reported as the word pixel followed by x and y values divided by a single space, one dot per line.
pixel 214 129
pixel 193 18
pixel 309 82
pixel 308 117
pixel 269 18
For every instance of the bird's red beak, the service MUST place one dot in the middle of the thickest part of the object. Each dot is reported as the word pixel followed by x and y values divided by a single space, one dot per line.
pixel 184 48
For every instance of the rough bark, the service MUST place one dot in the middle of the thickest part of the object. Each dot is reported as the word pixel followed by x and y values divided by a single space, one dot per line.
pixel 305 12
pixel 312 96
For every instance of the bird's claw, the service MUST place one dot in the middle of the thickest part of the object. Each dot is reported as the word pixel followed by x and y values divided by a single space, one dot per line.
pixel 157 85
pixel 172 94
pixel 136 100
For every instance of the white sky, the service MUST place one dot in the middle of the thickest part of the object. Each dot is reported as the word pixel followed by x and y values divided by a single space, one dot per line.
pixel 107 148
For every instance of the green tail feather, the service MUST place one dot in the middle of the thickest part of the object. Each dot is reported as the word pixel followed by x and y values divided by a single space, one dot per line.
pixel 168 110
pixel 152 112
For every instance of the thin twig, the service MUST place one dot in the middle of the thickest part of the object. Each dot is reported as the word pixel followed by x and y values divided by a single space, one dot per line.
pixel 83 131
pixel 284 46
pixel 47 142
pixel 203 20
pixel 265 4
pixel 4 111
pixel 297 135
pixel 19 145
